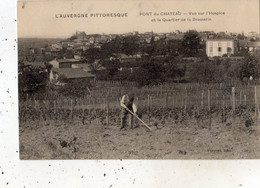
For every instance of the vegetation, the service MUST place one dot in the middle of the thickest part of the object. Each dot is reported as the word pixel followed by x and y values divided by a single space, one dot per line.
pixel 32 79
pixel 73 90
pixel 250 68
pixel 161 61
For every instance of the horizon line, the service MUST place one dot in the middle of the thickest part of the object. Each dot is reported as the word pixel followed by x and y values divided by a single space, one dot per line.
pixel 56 37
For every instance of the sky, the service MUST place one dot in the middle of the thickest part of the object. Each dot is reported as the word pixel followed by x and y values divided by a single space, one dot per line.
pixel 39 18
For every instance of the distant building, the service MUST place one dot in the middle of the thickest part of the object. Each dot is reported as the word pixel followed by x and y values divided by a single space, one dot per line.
pixel 83 66
pixel 77 56
pixel 248 45
pixel 173 36
pixel 219 47
pixel 67 43
pixel 64 63
pixel 252 35
pixel 123 58
pixel 65 75
pixel 42 50
pixel 56 47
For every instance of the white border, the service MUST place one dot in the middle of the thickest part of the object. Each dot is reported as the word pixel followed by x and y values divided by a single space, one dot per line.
pixel 90 173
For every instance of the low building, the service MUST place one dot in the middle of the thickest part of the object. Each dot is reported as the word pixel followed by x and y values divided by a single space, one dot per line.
pixel 69 75
pixel 64 63
pixel 219 47
pixel 248 45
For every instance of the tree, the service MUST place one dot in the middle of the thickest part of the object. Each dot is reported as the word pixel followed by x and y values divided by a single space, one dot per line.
pixel 149 73
pixel 191 43
pixel 250 67
pixel 202 72
pixel 174 71
pixel 241 36
pixel 92 53
pixel 174 47
pixel 31 79
pixel 130 45
pixel 160 47
pixel 113 46
pixel 242 52
pixel 112 68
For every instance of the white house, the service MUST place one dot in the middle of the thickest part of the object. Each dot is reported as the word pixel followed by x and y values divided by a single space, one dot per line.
pixel 219 47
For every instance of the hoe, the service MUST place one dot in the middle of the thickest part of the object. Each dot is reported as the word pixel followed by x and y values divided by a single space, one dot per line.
pixel 151 129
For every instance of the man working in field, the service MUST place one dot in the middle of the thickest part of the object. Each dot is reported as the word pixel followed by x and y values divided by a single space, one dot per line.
pixel 127 102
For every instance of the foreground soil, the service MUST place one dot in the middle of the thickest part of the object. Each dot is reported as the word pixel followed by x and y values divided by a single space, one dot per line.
pixel 75 140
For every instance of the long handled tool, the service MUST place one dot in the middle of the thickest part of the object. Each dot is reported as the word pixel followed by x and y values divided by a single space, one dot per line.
pixel 139 119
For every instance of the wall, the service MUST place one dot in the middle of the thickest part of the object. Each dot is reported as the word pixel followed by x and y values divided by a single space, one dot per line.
pixel 54 63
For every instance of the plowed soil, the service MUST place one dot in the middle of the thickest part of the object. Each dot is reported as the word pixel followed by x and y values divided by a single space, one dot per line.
pixel 190 140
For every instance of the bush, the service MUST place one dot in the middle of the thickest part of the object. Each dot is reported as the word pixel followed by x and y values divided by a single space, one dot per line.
pixel 224 55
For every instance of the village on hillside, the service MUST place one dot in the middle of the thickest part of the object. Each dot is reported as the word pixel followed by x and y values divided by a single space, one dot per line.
pixel 91 57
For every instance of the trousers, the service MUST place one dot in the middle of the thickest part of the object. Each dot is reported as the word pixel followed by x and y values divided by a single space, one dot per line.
pixel 124 114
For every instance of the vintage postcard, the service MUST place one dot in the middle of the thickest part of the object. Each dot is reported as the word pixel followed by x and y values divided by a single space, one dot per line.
pixel 139 79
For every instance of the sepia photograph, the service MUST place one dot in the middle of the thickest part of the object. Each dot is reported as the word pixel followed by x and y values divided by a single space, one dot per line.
pixel 168 80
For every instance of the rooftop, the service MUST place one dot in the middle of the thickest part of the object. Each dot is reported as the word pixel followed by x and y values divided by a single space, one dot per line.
pixel 36 63
pixel 73 73
pixel 68 60
pixel 84 66
pixel 247 43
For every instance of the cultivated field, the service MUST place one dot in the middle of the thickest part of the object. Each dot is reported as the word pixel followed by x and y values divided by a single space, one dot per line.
pixel 189 121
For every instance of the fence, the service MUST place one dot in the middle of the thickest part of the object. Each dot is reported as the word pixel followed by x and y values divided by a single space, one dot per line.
pixel 104 103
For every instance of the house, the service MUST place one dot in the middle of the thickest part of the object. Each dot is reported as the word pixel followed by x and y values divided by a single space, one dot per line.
pixel 67 43
pixel 252 35
pixel 65 75
pixel 42 50
pixel 219 47
pixel 174 36
pixel 56 47
pixel 77 56
pixel 64 63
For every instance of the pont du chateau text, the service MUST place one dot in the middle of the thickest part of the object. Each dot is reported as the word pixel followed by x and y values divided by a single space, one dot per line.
pixel 143 14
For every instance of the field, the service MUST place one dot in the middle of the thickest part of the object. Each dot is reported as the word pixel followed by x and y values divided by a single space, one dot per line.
pixel 73 140
pixel 188 121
